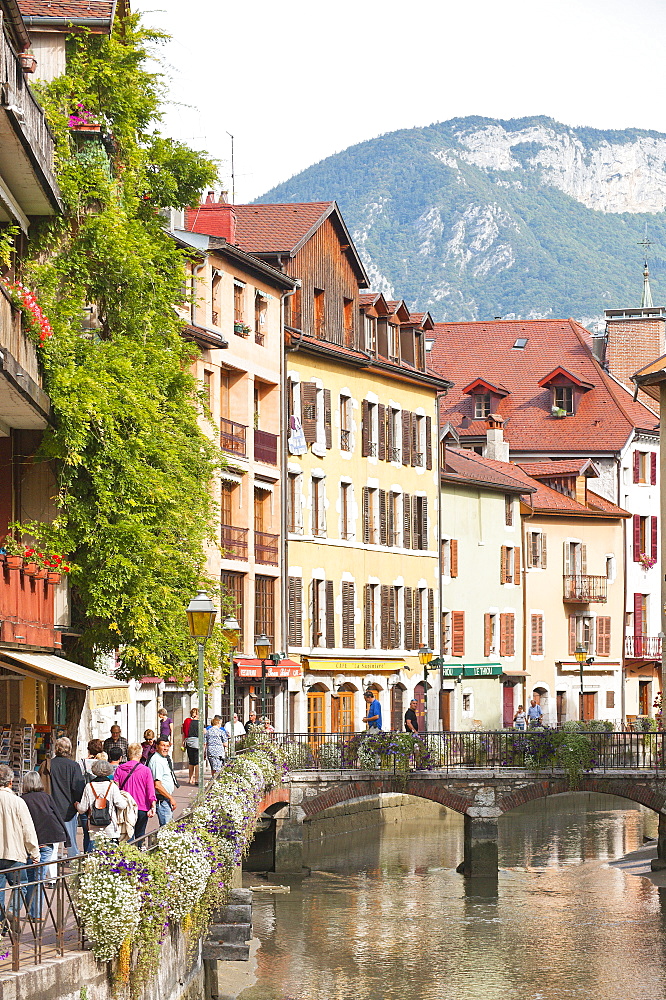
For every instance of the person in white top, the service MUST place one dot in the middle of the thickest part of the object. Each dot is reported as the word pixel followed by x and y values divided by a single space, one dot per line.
pixel 103 786
pixel 239 728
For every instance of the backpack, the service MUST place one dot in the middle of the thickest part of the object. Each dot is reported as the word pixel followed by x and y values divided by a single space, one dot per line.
pixel 99 813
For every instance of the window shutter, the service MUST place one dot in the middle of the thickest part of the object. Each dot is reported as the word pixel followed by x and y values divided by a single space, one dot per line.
pixel 487 634
pixel 414 435
pixel 529 549
pixel 454 556
pixel 638 614
pixel 348 601
pixel 314 612
pixel 309 411
pixel 368 636
pixel 603 635
pixel 383 525
pixel 290 398
pixel 409 619
pixel 406 438
pixel 428 442
pixel 503 564
pixel 572 635
pixel 424 523
pixel 385 614
pixel 567 558
pixel 390 435
pixel 330 619
pixel 654 536
pixel 543 550
pixel 390 521
pixel 295 602
pixel 510 635
pixel 366 515
pixel 327 418
pixel 637 466
pixel 537 635
pixel 637 537
pixel 406 521
pixel 502 649
pixel 516 566
pixel 583 560
pixel 431 618
pixel 381 433
pixel 365 428
pixel 653 468
pixel 458 633
pixel 393 618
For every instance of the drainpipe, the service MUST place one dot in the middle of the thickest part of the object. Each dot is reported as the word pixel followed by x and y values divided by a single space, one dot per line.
pixel 440 644
pixel 284 420
pixel 523 545
pixel 625 563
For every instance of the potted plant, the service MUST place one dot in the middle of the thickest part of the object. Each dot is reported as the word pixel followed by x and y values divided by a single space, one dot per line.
pixel 14 552
pixel 238 328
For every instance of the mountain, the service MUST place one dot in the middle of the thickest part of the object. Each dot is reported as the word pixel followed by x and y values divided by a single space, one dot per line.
pixel 476 217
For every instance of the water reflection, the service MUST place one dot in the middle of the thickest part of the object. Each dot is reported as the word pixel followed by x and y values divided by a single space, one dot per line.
pixel 385 915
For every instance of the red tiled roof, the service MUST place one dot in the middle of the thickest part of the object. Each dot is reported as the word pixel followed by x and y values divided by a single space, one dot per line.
pixel 563 467
pixel 606 414
pixel 469 465
pixel 67 8
pixel 263 228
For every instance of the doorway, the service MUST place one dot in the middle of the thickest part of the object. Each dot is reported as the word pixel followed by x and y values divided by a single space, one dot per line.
pixel 644 698
pixel 507 705
pixel 445 700
pixel 397 708
pixel 586 706
pixel 419 696
pixel 177 704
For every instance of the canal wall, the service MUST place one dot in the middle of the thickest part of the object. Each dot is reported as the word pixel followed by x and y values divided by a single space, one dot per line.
pixel 367 813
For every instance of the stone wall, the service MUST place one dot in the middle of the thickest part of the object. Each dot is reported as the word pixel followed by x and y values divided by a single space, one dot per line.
pixel 366 813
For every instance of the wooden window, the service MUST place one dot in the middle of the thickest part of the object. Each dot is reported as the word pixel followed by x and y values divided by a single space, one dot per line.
pixel 610 699
pixel 309 411
pixel 345 511
pixel 420 535
pixel 397 708
pixel 416 444
pixel 653 468
pixel 342 712
pixel 318 507
pixel 294 504
pixel 233 585
pixel 537 635
pixel 330 614
pixel 295 610
pixel 446 633
pixel 603 635
pixel 208 388
pixel 450 557
pixel 431 618
pixel 215 298
pixel 536 549
pixel 319 314
pixel 371 516
pixel 393 340
pixel 260 309
pixel 370 616
pixel 411 640
pixel 226 503
pixel 348 607
pixel 370 333
pixel 418 618
pixel 572 635
pixel 508 510
pixel 482 405
pixel 369 429
pixel 487 634
pixel 640 614
pixel 642 532
pixel 261 509
pixel 507 635
pixel 383 517
pixel 389 624
pixel 516 566
pixel 345 423
pixel 264 606
pixel 563 398
pixel 645 467
pixel 644 699
pixel 394 519
pixel 654 537
pixel 348 320
pixel 393 436
pixel 239 299
pixel 316 713
pixel 457 633
pixel 317 618
pixel 575 559
pixel 381 432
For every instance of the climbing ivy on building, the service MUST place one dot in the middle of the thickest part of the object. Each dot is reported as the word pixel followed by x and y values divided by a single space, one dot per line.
pixel 134 468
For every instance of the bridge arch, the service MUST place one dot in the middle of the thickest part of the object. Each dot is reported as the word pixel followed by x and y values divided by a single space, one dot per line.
pixel 349 791
pixel 643 793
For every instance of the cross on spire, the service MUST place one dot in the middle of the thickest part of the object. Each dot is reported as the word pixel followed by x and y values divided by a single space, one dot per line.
pixel 646 298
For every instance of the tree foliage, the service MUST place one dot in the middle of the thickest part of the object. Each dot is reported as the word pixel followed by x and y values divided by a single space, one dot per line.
pixel 134 467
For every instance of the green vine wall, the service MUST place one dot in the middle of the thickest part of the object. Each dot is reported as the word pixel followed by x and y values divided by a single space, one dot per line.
pixel 134 468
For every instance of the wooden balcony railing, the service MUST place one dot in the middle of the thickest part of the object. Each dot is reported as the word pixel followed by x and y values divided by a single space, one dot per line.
pixel 232 437
pixel 27 606
pixel 233 542
pixel 265 447
pixel 639 647
pixel 582 589
pixel 266 548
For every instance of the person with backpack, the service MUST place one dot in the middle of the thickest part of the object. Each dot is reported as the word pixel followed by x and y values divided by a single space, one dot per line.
pixel 136 778
pixel 95 747
pixel 101 801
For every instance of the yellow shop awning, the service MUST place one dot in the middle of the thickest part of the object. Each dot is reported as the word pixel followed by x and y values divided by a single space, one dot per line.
pixel 104 690
pixel 358 666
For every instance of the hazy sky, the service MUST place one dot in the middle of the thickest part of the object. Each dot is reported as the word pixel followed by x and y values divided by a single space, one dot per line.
pixel 295 82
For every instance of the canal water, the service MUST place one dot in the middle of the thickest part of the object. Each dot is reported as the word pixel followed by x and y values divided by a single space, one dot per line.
pixel 384 914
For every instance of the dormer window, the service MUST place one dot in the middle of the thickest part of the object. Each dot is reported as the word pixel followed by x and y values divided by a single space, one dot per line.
pixel 481 405
pixel 563 398
pixel 566 391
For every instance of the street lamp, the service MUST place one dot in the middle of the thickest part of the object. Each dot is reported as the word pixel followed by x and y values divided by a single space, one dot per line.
pixel 581 656
pixel 262 647
pixel 425 656
pixel 231 632
pixel 201 618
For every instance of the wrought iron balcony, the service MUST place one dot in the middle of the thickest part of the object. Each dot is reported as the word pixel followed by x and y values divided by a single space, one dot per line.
pixel 265 447
pixel 583 589
pixel 345 440
pixel 232 437
pixel 266 548
pixel 642 647
pixel 233 542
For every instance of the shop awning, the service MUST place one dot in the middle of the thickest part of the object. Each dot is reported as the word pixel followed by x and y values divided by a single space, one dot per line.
pixel 347 666
pixel 252 668
pixel 511 672
pixel 104 690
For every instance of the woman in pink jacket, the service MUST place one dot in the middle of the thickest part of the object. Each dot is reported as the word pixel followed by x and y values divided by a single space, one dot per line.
pixel 137 779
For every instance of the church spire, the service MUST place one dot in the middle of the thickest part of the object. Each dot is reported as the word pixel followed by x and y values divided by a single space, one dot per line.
pixel 646 298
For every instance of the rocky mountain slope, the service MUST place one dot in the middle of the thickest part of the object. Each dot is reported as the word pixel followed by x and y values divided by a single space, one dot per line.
pixel 476 217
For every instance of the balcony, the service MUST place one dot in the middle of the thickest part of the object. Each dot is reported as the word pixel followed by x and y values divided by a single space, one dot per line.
pixel 417 459
pixel 579 589
pixel 27 613
pixel 26 142
pixel 232 437
pixel 259 338
pixel 265 447
pixel 642 647
pixel 345 440
pixel 266 548
pixel 395 455
pixel 233 542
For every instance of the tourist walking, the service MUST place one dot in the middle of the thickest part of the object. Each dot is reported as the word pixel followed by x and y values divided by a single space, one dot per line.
pixel 166 725
pixel 102 787
pixel 373 715
pixel 50 831
pixel 520 719
pixel 136 778
pixel 165 781
pixel 95 748
pixel 18 839
pixel 216 740
pixel 148 746
pixel 411 720
pixel 239 728
pixel 534 714
pixel 191 733
pixel 67 784
pixel 115 740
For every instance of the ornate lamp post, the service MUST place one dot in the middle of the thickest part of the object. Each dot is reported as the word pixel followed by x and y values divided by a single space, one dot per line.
pixel 201 618
pixel 262 647
pixel 231 632
pixel 425 656
pixel 581 657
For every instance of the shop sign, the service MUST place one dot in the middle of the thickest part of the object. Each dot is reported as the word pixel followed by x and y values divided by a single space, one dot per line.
pixel 482 670
pixel 450 671
pixel 346 666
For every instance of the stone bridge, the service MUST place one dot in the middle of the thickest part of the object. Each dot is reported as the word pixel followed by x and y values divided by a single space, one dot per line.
pixel 481 796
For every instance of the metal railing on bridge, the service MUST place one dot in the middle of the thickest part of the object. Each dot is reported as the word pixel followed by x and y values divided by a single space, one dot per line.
pixel 533 750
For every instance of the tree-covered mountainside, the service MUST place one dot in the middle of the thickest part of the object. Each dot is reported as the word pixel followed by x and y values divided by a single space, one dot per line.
pixel 476 217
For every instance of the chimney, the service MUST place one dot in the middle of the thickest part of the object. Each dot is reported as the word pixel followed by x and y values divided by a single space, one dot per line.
pixel 496 446
pixel 635 337
pixel 214 218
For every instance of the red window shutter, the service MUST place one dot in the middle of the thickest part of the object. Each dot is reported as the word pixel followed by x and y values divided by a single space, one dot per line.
pixel 503 644
pixel 487 633
pixel 638 614
pixel 637 466
pixel 516 566
pixel 510 636
pixel 327 418
pixel 637 537
pixel 458 633
pixel 537 635
pixel 365 428
pixel 454 557
pixel 654 536
pixel 653 468
pixel 428 443
pixel 572 635
pixel 381 434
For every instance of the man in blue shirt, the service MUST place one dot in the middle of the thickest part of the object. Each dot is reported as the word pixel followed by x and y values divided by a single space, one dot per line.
pixel 374 712
pixel 534 714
